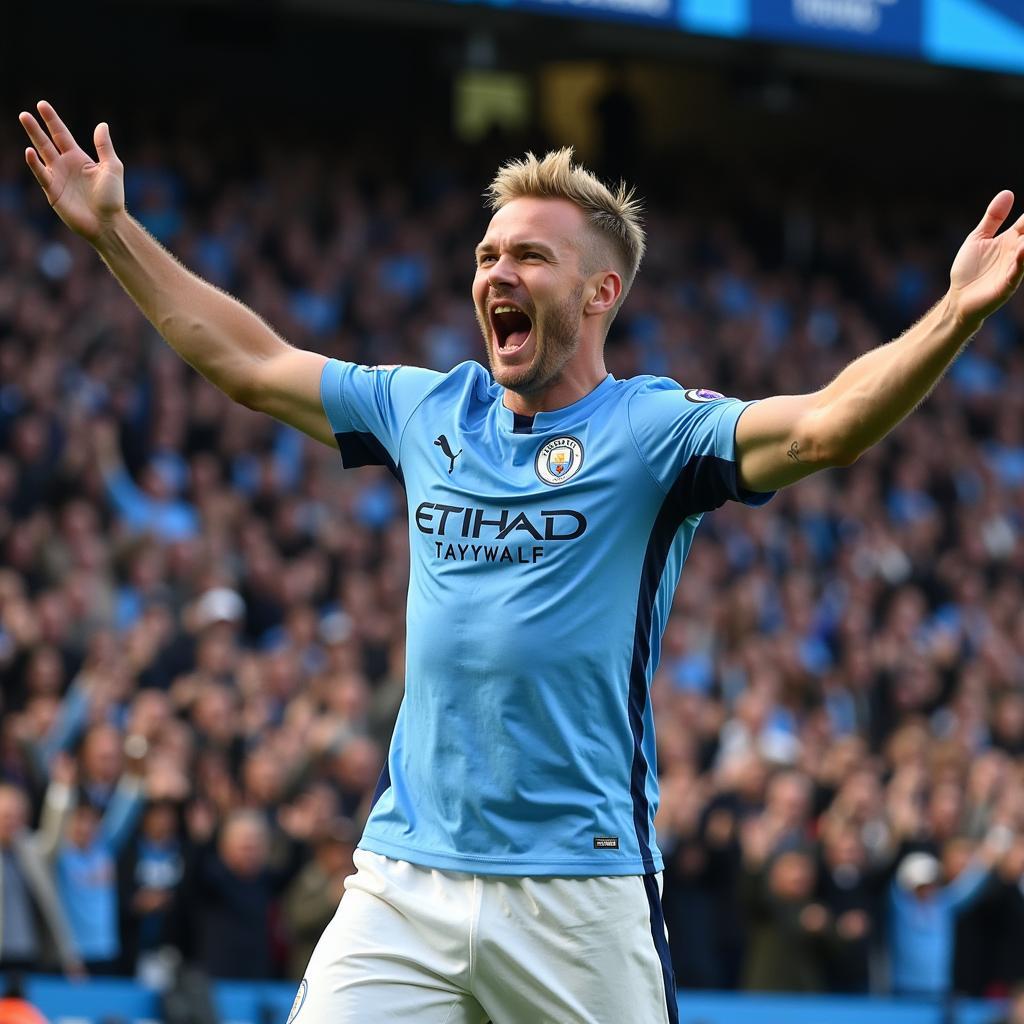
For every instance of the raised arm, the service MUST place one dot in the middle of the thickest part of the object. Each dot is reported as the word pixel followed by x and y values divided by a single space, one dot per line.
pixel 785 438
pixel 223 339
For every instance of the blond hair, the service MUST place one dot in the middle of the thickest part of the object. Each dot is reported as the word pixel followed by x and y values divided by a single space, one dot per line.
pixel 613 215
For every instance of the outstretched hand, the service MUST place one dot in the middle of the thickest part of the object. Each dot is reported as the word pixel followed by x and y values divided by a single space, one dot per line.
pixel 989 267
pixel 86 194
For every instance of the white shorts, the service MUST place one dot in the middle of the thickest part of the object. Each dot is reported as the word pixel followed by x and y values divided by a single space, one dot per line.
pixel 423 946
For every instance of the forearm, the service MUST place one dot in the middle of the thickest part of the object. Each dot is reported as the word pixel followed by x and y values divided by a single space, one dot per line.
pixel 70 722
pixel 786 437
pixel 57 806
pixel 219 336
pixel 967 885
pixel 876 391
pixel 122 812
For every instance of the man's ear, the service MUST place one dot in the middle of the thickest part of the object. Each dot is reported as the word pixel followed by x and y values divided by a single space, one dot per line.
pixel 604 289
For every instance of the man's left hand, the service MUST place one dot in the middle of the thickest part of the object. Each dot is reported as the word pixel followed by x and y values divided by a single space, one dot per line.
pixel 989 266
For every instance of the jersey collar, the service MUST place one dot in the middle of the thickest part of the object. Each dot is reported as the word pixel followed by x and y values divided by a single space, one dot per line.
pixel 544 422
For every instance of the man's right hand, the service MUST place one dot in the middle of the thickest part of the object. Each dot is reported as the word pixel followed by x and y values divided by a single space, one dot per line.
pixel 226 342
pixel 86 194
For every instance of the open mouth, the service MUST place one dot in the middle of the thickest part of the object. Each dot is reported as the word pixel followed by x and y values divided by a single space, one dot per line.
pixel 512 327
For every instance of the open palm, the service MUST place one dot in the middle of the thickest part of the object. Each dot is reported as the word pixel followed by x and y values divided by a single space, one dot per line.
pixel 989 267
pixel 85 193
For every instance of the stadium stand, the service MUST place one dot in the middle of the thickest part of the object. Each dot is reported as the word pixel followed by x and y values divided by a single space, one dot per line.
pixel 198 596
pixel 201 615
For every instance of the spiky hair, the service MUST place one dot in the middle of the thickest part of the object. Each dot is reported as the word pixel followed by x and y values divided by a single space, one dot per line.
pixel 613 214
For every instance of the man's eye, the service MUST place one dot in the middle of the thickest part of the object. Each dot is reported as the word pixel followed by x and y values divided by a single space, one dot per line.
pixel 487 258
pixel 532 256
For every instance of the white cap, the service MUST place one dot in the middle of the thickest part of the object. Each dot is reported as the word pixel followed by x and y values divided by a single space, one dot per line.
pixel 219 605
pixel 335 628
pixel 917 869
pixel 779 746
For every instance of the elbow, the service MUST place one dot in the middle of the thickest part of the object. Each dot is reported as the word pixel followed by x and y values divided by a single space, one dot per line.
pixel 239 387
pixel 838 456
pixel 241 393
pixel 246 385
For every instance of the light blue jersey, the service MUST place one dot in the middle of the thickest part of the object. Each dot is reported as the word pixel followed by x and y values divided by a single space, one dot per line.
pixel 544 554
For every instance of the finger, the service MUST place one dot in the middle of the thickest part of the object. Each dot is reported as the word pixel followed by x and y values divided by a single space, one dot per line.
pixel 1018 225
pixel 101 140
pixel 62 138
pixel 38 137
pixel 998 210
pixel 36 166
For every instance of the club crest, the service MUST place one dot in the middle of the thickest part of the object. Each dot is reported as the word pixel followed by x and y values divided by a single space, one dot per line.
pixel 559 460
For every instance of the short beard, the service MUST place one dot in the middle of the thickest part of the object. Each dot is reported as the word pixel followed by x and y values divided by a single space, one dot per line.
pixel 557 339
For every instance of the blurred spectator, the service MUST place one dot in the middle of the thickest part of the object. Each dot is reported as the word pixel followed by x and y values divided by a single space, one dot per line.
pixel 235 889
pixel 988 950
pixel 792 938
pixel 311 900
pixel 35 930
pixel 923 915
pixel 687 900
pixel 851 890
pixel 85 865
pixel 150 876
pixel 151 508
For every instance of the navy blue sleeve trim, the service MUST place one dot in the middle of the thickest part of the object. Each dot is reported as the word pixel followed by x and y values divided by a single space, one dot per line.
pixel 706 482
pixel 363 449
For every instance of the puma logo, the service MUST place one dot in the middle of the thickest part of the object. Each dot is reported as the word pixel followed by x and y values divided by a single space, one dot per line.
pixel 442 443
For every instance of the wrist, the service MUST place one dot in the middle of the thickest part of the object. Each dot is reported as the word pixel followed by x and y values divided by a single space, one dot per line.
pixel 965 323
pixel 111 232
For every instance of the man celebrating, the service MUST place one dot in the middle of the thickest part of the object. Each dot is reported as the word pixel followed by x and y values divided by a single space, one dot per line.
pixel 509 869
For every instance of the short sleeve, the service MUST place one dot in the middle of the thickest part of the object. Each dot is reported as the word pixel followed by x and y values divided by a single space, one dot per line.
pixel 369 406
pixel 688 441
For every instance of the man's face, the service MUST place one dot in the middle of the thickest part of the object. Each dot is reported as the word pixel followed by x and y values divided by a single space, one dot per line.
pixel 244 847
pixel 925 893
pixel 792 876
pixel 101 756
pixel 528 291
pixel 83 826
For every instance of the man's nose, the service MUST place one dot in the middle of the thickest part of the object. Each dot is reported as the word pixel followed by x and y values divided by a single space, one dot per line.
pixel 502 271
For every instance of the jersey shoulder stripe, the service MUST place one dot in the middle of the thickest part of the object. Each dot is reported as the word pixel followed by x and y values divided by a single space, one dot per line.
pixel 369 407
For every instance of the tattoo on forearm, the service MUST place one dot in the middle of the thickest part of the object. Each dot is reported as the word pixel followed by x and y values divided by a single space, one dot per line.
pixel 794 451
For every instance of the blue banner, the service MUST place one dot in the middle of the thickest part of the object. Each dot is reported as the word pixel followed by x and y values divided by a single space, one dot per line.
pixel 976 33
pixel 893 26
pixel 973 33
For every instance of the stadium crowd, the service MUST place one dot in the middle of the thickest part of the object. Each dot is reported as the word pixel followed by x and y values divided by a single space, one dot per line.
pixel 202 615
